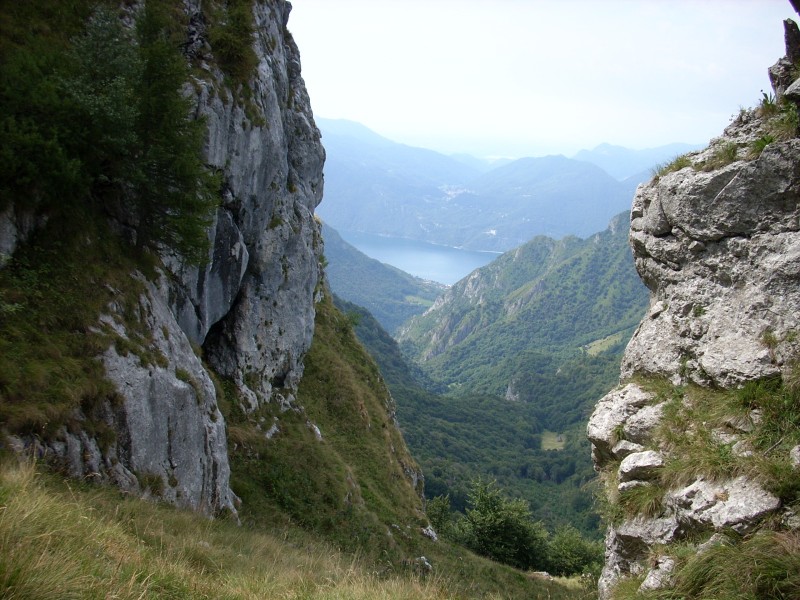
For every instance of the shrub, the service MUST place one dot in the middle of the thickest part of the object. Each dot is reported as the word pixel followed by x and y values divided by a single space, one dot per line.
pixel 767 107
pixel 570 553
pixel 231 36
pixel 440 515
pixel 502 529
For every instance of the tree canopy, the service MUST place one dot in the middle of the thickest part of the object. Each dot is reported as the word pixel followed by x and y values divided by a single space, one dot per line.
pixel 94 117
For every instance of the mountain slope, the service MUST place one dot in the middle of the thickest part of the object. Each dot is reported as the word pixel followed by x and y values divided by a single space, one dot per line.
pixel 459 438
pixel 699 448
pixel 391 295
pixel 546 297
pixel 123 362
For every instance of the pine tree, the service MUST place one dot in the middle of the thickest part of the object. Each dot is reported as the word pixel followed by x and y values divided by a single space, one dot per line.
pixel 175 194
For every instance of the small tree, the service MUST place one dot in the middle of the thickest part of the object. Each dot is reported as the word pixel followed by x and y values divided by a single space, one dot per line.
pixel 175 194
pixel 440 515
pixel 570 553
pixel 502 529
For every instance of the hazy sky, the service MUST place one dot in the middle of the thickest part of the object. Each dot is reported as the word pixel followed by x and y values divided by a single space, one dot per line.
pixel 533 77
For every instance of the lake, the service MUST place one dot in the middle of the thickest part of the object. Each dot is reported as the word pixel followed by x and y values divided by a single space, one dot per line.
pixel 429 261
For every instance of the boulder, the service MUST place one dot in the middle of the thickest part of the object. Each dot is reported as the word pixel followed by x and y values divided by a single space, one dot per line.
pixel 641 466
pixel 624 447
pixel 640 425
pixel 737 504
pixel 659 576
pixel 610 414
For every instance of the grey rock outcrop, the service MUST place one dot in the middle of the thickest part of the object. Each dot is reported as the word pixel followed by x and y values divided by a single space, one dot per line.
pixel 272 163
pixel 640 466
pixel 660 575
pixel 169 432
pixel 719 253
pixel 251 307
pixel 717 242
pixel 609 416
pixel 736 504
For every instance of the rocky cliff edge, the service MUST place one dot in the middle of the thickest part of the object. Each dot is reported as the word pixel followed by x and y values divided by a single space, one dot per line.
pixel 682 444
pixel 250 308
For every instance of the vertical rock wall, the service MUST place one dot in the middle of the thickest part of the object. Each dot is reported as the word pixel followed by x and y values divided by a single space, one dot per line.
pixel 251 308
pixel 717 241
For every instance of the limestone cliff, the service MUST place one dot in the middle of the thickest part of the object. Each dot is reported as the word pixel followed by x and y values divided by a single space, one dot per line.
pixel 716 238
pixel 250 308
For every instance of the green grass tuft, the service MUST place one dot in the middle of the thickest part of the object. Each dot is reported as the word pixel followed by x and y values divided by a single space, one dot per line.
pixel 676 164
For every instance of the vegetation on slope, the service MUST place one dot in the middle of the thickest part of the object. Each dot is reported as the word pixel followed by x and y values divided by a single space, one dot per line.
pixel 337 465
pixel 321 518
pixel 61 540
pixel 485 436
pixel 548 297
pixel 523 349
pixel 761 564
pixel 391 295
pixel 51 295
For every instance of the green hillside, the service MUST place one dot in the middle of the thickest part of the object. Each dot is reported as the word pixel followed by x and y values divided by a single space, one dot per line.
pixel 500 330
pixel 458 438
pixel 518 353
pixel 391 295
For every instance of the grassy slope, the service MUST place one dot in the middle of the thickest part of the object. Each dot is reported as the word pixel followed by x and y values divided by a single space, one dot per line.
pixel 334 518
pixel 763 564
pixel 62 540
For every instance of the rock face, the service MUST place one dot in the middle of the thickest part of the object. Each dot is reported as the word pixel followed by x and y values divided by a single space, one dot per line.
pixel 251 308
pixel 255 300
pixel 719 252
pixel 717 242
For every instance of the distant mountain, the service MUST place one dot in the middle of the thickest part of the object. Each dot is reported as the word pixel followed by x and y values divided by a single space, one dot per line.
pixel 552 195
pixel 482 165
pixel 510 327
pixel 376 186
pixel 624 163
pixel 391 295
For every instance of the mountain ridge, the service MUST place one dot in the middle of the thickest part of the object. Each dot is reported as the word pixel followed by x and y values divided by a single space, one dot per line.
pixel 440 199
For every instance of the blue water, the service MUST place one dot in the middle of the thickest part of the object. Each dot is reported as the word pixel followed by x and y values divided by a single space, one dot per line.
pixel 429 261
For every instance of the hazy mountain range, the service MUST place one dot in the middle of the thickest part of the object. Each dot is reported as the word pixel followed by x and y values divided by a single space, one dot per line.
pixel 377 186
pixel 624 163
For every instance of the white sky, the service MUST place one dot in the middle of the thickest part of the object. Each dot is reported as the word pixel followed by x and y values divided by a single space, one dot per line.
pixel 532 77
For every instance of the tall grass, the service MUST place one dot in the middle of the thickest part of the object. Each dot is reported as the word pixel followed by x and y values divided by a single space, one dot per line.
pixel 61 540
pixel 765 566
